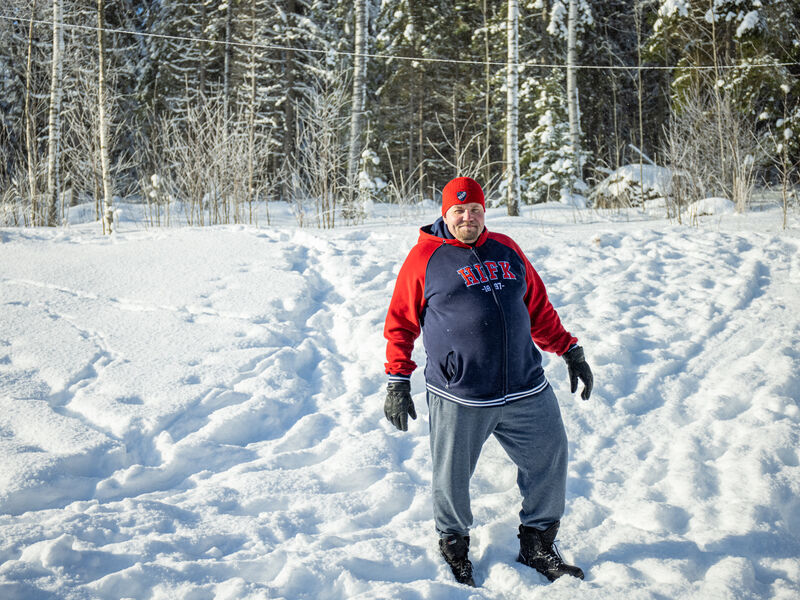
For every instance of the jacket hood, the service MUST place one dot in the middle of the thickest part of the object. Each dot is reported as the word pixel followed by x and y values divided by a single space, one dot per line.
pixel 438 232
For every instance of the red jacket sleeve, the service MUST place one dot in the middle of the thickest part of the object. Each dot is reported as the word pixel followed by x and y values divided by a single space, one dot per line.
pixel 402 325
pixel 546 328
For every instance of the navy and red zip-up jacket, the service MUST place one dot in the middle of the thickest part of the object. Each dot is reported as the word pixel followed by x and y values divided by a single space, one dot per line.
pixel 480 308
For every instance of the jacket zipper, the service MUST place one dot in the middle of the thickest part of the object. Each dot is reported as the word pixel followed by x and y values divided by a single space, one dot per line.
pixel 502 321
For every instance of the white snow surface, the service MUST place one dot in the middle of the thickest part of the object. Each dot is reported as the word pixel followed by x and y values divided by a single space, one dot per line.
pixel 197 413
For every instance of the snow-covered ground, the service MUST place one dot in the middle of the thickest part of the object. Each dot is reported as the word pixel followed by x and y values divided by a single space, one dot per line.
pixel 198 413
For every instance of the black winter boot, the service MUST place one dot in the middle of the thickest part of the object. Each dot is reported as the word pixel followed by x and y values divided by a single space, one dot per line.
pixel 537 550
pixel 454 549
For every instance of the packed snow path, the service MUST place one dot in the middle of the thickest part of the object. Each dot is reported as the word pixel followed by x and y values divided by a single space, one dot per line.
pixel 198 414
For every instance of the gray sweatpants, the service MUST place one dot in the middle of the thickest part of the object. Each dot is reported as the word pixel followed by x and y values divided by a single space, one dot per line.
pixel 532 434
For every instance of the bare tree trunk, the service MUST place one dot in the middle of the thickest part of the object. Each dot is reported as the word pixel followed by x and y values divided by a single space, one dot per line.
pixel 226 83
pixel 512 111
pixel 357 108
pixel 421 144
pixel 251 126
pixel 785 166
pixel 105 167
pixel 572 88
pixel 615 103
pixel 201 78
pixel 715 87
pixel 54 119
pixel 226 108
pixel 637 17
pixel 30 129
pixel 289 115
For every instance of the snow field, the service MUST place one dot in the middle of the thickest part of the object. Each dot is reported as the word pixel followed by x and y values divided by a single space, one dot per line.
pixel 197 413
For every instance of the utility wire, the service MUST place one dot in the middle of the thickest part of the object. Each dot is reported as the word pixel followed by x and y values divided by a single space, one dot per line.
pixel 390 57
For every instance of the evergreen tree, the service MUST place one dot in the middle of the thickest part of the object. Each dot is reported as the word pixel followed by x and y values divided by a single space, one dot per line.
pixel 737 45
pixel 179 55
pixel 550 167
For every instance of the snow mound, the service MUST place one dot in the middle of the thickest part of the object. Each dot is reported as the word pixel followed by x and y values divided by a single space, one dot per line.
pixel 572 199
pixel 711 206
pixel 632 185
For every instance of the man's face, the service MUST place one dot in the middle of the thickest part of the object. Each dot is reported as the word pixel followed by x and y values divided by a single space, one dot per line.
pixel 465 221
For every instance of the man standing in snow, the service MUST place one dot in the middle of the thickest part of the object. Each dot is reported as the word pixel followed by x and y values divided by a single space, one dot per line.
pixel 480 306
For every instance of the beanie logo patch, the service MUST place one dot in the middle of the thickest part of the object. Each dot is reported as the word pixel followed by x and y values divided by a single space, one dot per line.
pixel 461 196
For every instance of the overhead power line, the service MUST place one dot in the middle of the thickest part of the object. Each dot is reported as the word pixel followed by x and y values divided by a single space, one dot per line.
pixel 391 57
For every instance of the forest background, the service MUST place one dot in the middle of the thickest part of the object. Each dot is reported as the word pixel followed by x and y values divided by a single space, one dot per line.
pixel 206 110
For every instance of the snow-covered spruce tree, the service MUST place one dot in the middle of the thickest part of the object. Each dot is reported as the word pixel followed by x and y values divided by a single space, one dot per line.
pixel 371 184
pixel 15 49
pixel 324 32
pixel 305 39
pixel 287 67
pixel 551 167
pixel 469 141
pixel 240 56
pixel 180 67
pixel 550 170
pixel 739 42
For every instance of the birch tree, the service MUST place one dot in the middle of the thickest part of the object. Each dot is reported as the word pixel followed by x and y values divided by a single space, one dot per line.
pixel 228 59
pixel 289 76
pixel 105 167
pixel 351 211
pixel 512 111
pixel 30 127
pixel 572 88
pixel 54 119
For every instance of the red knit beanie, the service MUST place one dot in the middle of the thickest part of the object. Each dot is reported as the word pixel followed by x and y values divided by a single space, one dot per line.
pixel 461 190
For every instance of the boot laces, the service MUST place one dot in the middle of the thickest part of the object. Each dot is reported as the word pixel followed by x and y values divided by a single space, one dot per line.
pixel 552 556
pixel 548 554
pixel 464 568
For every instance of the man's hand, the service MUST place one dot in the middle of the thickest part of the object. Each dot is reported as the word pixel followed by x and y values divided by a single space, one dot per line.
pixel 579 369
pixel 399 406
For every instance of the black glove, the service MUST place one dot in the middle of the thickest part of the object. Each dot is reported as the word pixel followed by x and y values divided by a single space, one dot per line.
pixel 579 369
pixel 398 405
